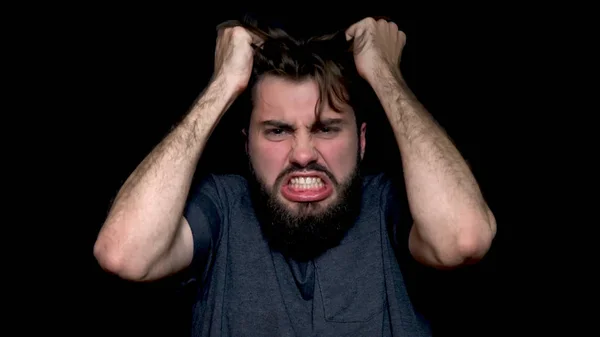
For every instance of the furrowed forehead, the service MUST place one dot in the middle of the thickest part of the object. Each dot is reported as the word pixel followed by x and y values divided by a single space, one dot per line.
pixel 278 96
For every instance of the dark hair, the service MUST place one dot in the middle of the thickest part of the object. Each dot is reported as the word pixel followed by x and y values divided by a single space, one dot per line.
pixel 326 58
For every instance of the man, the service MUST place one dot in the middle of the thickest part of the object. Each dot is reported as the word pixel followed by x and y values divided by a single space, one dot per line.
pixel 305 246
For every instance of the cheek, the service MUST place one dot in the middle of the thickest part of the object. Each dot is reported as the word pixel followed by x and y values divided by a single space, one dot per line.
pixel 268 159
pixel 340 156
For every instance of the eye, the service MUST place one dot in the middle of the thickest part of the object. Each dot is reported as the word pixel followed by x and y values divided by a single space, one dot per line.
pixel 327 131
pixel 275 132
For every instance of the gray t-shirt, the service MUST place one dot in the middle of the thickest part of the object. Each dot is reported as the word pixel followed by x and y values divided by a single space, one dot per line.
pixel 246 289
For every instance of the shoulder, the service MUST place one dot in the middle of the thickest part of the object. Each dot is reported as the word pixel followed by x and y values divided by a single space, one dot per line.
pixel 376 180
pixel 380 187
pixel 387 194
pixel 217 192
pixel 221 186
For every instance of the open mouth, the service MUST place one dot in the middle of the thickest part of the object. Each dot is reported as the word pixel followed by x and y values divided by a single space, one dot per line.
pixel 307 187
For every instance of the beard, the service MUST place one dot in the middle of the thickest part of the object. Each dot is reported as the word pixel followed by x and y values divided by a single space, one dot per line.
pixel 309 230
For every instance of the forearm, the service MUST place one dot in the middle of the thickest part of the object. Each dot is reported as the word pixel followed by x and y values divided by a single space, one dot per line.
pixel 146 213
pixel 450 215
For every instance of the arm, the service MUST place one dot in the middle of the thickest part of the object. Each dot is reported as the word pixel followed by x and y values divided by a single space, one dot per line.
pixel 145 235
pixel 452 222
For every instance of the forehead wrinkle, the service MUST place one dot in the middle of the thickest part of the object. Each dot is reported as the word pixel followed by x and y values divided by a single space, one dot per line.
pixel 291 106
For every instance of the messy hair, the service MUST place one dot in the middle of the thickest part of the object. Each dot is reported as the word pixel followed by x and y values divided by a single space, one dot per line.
pixel 328 59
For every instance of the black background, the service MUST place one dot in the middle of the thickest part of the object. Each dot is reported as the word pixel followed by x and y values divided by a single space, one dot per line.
pixel 133 73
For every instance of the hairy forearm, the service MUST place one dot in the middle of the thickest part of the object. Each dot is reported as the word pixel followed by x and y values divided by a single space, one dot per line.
pixel 449 212
pixel 146 212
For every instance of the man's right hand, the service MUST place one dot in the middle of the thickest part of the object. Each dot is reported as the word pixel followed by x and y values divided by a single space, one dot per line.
pixel 146 235
pixel 234 56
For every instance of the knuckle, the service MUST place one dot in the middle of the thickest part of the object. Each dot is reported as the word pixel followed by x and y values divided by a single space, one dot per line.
pixel 370 21
pixel 238 31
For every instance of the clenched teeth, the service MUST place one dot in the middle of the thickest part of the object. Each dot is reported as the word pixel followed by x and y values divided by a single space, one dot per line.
pixel 306 182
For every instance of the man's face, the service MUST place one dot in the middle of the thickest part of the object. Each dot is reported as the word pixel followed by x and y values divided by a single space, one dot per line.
pixel 306 169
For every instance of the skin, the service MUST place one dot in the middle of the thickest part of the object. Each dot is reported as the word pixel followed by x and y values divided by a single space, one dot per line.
pixel 282 134
pixel 453 224
pixel 145 236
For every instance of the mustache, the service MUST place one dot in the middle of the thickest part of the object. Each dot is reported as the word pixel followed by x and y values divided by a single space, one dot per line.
pixel 309 167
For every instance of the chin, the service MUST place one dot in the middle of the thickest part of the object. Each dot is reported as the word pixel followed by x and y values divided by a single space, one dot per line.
pixel 304 221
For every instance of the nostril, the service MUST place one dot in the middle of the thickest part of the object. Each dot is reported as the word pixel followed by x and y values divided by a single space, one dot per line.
pixel 303 156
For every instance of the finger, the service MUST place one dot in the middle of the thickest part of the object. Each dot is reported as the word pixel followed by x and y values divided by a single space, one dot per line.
pixel 357 28
pixel 220 33
pixel 402 35
pixel 257 40
pixel 351 31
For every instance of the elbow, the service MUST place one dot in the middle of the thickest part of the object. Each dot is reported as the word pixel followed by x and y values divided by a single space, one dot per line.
pixel 115 261
pixel 473 243
pixel 470 246
pixel 473 248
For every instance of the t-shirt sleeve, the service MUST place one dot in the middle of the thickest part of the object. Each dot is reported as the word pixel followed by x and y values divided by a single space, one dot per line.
pixel 204 212
pixel 423 283
pixel 397 212
pixel 399 223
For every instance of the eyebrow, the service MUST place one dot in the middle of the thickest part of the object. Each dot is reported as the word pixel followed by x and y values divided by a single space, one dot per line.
pixel 276 123
pixel 321 123
pixel 330 122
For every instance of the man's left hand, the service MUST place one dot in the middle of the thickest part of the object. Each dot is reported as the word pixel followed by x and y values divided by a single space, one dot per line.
pixel 377 47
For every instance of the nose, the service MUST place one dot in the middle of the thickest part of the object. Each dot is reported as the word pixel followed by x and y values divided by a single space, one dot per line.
pixel 303 152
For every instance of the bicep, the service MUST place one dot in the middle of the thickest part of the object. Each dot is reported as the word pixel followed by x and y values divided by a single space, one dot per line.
pixel 419 249
pixel 404 230
pixel 422 251
pixel 179 256
pixel 197 234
